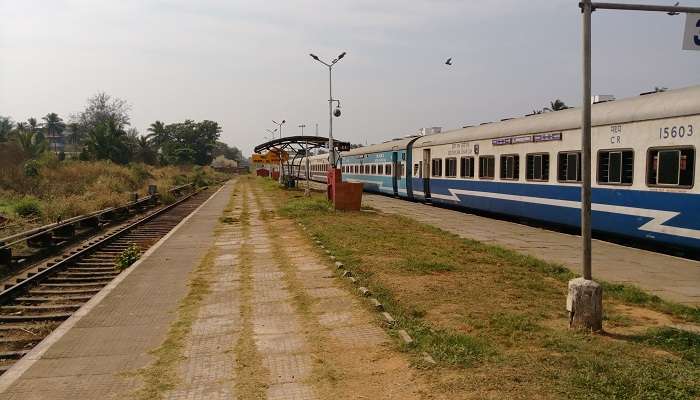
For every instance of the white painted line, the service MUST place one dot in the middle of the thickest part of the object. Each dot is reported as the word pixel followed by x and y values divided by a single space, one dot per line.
pixel 21 366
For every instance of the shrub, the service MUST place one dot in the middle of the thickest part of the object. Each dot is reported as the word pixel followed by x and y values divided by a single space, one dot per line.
pixel 128 257
pixel 27 207
pixel 31 168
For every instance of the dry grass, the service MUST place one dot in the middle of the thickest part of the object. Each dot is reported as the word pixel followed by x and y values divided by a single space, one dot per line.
pixel 69 188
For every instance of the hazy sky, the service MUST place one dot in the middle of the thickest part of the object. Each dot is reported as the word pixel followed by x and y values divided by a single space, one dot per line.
pixel 243 63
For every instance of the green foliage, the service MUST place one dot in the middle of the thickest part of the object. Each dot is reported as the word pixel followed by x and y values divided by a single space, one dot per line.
pixel 187 142
pixel 127 257
pixel 5 128
pixel 32 143
pixel 31 168
pixel 27 207
pixel 107 141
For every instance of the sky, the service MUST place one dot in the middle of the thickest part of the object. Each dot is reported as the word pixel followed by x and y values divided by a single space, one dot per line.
pixel 244 63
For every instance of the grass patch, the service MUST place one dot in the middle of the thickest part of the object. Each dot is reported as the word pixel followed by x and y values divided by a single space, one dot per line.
pixel 483 310
pixel 683 343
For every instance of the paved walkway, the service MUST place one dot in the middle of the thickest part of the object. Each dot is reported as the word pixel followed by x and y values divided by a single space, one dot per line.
pixel 116 335
pixel 267 319
pixel 669 277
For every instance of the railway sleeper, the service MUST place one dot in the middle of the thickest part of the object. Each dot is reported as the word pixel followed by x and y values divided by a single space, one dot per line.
pixel 40 308
pixel 80 280
pixel 48 292
pixel 90 269
pixel 48 299
pixel 74 285
pixel 102 273
pixel 13 355
pixel 35 318
pixel 94 264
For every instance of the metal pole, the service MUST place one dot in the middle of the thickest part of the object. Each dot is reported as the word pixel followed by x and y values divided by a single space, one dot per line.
pixel 586 143
pixel 643 7
pixel 330 117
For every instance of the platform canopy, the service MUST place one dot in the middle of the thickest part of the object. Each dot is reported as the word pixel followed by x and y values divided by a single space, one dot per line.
pixel 296 147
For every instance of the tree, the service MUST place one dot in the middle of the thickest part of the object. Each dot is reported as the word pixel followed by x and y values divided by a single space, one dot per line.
pixel 556 105
pixel 54 124
pixel 33 124
pixel 32 143
pixel 107 141
pixel 75 133
pixel 103 109
pixel 144 151
pixel 6 126
pixel 190 142
pixel 158 135
pixel 230 152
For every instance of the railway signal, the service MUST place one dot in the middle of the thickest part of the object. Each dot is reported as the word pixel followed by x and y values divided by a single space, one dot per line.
pixel 585 299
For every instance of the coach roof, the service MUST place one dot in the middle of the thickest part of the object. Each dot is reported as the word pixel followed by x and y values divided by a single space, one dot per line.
pixel 673 103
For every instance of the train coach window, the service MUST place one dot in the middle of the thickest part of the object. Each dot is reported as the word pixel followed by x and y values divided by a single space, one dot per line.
pixel 671 167
pixel 416 169
pixel 451 167
pixel 487 167
pixel 374 169
pixel 380 169
pixel 569 168
pixel 537 167
pixel 402 169
pixel 437 167
pixel 387 169
pixel 510 167
pixel 615 167
pixel 466 167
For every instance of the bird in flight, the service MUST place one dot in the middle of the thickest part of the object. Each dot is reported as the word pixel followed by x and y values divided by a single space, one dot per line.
pixel 673 12
pixel 449 61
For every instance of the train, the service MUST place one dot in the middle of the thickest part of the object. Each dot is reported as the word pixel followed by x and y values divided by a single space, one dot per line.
pixel 643 168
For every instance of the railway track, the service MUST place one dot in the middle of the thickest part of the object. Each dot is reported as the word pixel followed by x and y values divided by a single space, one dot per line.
pixel 32 308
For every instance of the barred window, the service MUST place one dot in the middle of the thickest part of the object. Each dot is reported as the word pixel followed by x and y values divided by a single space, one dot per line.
pixel 387 169
pixel 451 167
pixel 487 167
pixel 615 167
pixel 671 167
pixel 510 167
pixel 466 167
pixel 437 167
pixel 569 168
pixel 537 167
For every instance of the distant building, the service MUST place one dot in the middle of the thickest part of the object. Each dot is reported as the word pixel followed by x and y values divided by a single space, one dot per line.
pixel 429 131
pixel 56 141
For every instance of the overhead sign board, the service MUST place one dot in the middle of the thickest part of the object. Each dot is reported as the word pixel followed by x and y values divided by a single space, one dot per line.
pixel 691 38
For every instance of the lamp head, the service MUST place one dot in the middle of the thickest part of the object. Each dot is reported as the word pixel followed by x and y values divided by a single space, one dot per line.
pixel 314 56
pixel 336 112
pixel 341 55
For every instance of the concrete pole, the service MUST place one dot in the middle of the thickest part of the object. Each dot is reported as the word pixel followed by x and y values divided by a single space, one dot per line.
pixel 585 298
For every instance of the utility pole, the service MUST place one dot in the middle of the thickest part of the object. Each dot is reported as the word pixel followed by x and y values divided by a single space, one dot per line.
pixel 585 298
pixel 302 126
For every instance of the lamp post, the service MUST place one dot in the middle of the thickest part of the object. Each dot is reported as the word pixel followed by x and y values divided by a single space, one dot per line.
pixel 272 133
pixel 330 102
pixel 302 126
pixel 584 301
pixel 279 124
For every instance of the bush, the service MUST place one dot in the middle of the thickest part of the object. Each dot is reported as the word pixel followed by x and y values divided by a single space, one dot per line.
pixel 31 168
pixel 128 257
pixel 27 207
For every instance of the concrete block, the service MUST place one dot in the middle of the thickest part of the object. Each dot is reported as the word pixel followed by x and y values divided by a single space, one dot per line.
pixel 376 304
pixel 364 291
pixel 388 318
pixel 328 251
pixel 352 280
pixel 428 358
pixel 584 303
pixel 332 258
pixel 347 274
pixel 339 265
pixel 405 336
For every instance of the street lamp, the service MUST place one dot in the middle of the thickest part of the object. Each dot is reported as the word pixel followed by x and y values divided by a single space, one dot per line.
pixel 302 126
pixel 330 103
pixel 280 126
pixel 272 133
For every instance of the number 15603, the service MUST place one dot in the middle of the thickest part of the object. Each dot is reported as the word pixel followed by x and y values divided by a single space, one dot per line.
pixel 676 131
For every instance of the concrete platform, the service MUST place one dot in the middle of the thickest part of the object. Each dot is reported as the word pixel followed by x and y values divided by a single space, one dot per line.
pixel 90 353
pixel 671 278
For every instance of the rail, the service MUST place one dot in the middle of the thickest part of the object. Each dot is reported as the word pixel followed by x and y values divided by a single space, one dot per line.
pixel 11 292
pixel 67 226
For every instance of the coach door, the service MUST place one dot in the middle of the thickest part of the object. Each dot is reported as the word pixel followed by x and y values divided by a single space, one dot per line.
pixel 395 172
pixel 426 173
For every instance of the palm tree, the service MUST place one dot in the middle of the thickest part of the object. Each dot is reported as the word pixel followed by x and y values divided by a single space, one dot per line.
pixel 144 151
pixel 54 128
pixel 5 128
pixel 158 135
pixel 33 124
pixel 108 141
pixel 32 143
pixel 556 105
pixel 21 126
